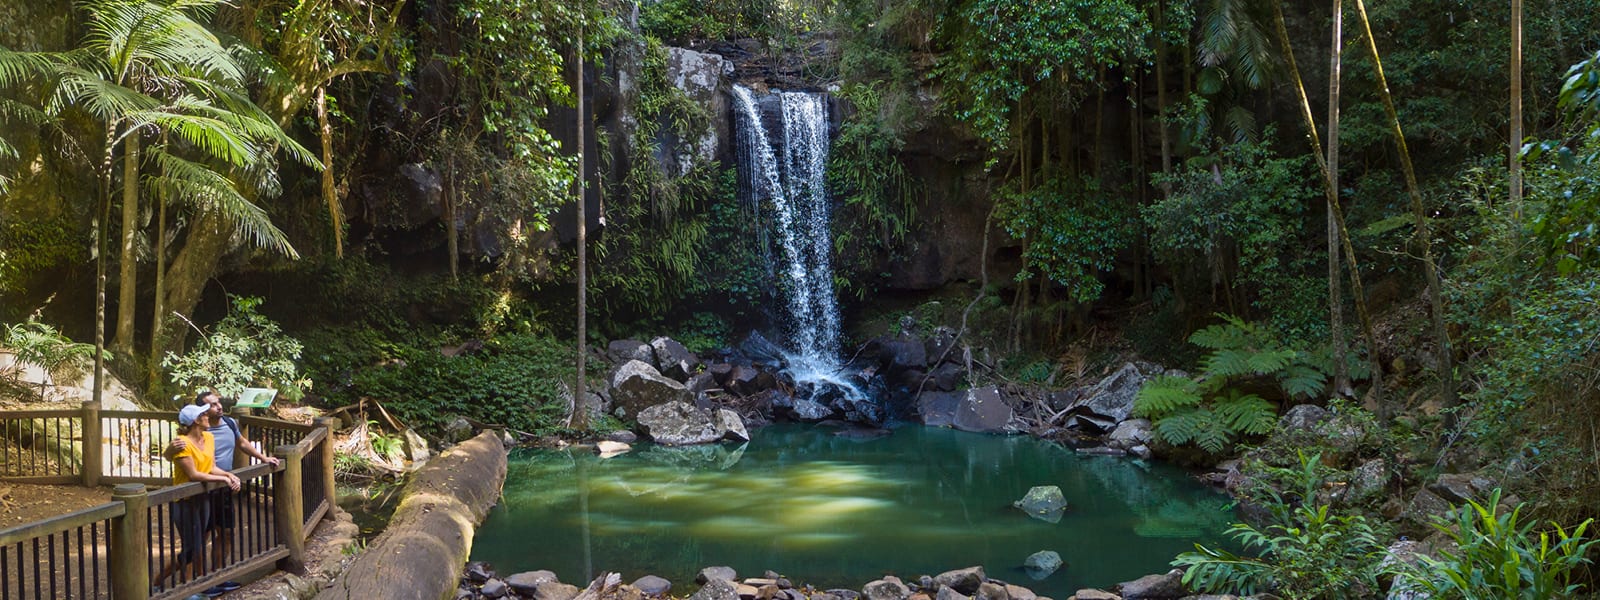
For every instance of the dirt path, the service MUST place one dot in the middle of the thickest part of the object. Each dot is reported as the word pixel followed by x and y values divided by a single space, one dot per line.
pixel 25 502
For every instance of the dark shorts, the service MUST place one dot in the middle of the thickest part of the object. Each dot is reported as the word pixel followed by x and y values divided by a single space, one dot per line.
pixel 191 517
pixel 221 501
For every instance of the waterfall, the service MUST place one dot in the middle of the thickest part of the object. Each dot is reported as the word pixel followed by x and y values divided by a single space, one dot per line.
pixel 783 169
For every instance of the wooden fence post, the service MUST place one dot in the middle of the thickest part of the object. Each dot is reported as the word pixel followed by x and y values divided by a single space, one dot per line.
pixel 288 507
pixel 327 462
pixel 128 553
pixel 93 444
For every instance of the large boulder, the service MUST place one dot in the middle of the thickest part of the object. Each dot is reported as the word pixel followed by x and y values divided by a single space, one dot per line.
pixel 732 426
pixel 983 410
pixel 1154 587
pixel 636 386
pixel 1112 398
pixel 938 409
pixel 675 360
pixel 622 351
pixel 1458 488
pixel 680 423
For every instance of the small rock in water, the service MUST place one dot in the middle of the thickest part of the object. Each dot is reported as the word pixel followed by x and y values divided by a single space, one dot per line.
pixel 1041 564
pixel 493 588
pixel 651 585
pixel 708 574
pixel 526 582
pixel 608 448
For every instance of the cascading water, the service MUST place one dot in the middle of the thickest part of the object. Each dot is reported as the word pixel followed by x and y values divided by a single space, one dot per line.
pixel 787 176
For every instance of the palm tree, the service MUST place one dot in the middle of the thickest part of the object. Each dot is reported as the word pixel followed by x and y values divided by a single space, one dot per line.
pixel 149 67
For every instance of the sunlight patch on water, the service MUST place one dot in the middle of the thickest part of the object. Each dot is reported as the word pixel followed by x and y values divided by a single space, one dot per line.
pixel 822 511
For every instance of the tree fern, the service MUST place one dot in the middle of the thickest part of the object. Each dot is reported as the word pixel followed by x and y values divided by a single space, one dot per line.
pixel 1164 394
pixel 1247 413
pixel 1233 333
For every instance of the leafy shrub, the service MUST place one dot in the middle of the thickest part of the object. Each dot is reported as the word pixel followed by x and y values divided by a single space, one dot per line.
pixel 38 344
pixel 516 380
pixel 1071 230
pixel 242 350
pixel 1499 557
pixel 1209 410
pixel 1308 552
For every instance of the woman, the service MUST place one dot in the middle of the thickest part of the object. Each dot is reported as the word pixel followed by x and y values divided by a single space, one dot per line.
pixel 195 461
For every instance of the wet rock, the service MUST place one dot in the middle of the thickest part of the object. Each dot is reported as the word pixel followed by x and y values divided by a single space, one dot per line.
pixel 888 588
pixel 843 594
pixel 732 426
pixel 493 588
pixel 1130 433
pixel 1042 499
pixel 716 589
pixel 479 572
pixel 608 448
pixel 720 572
pixel 990 590
pixel 1093 594
pixel 938 409
pixel 947 593
pixel 1018 592
pixel 965 580
pixel 1102 451
pixel 622 435
pixel 679 424
pixel 804 410
pixel 1154 587
pixel 651 585
pixel 525 582
pixel 1041 564
pixel 983 410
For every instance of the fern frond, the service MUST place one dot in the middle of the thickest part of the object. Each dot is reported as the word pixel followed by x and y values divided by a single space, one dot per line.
pixel 1228 363
pixel 1222 336
pixel 1271 361
pixel 1302 380
pixel 1247 413
pixel 1182 427
pixel 1165 393
pixel 1214 435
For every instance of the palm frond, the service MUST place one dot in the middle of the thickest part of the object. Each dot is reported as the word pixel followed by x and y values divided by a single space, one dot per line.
pixel 210 135
pixel 205 189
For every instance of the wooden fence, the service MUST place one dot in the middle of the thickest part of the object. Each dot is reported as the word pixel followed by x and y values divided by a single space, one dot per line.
pixel 96 552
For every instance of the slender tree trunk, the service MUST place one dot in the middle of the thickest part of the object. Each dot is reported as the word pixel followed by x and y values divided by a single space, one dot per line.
pixel 1515 150
pixel 100 266
pixel 451 235
pixel 1338 214
pixel 1099 119
pixel 1341 371
pixel 580 416
pixel 128 269
pixel 159 248
pixel 329 196
pixel 1421 237
pixel 1161 101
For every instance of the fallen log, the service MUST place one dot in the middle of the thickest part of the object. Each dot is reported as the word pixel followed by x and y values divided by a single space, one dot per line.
pixel 422 553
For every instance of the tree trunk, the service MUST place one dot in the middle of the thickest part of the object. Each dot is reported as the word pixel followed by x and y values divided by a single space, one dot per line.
pixel 1338 215
pixel 1421 236
pixel 580 413
pixel 100 266
pixel 1341 371
pixel 329 196
pixel 451 234
pixel 208 238
pixel 128 269
pixel 1161 102
pixel 159 248
pixel 1515 149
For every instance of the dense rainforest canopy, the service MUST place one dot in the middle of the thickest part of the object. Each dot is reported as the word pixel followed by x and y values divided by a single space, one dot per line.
pixel 299 191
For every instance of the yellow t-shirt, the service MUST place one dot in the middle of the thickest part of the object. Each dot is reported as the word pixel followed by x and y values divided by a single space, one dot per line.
pixel 204 457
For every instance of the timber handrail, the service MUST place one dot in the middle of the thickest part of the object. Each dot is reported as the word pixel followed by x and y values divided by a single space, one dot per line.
pixel 60 523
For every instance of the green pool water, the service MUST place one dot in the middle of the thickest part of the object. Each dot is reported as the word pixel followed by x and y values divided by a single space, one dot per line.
pixel 838 512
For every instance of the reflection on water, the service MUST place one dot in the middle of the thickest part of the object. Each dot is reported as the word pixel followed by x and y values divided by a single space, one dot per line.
pixel 837 512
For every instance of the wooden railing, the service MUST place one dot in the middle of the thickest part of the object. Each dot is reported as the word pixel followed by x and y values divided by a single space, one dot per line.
pixel 96 552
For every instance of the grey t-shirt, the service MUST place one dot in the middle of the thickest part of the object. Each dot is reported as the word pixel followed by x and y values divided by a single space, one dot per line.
pixel 226 442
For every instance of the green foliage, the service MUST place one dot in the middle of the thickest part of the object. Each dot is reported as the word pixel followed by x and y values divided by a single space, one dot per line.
pixel 1308 551
pixel 515 380
pixel 28 249
pixel 1236 222
pixel 878 195
pixel 686 22
pixel 1001 51
pixel 383 444
pixel 244 349
pixel 1497 556
pixel 1071 229
pixel 40 345
pixel 1210 410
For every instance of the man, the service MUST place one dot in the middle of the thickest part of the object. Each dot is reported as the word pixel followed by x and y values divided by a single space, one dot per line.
pixel 225 430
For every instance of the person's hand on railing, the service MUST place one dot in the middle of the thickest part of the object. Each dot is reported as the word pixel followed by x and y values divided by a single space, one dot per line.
pixel 233 482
